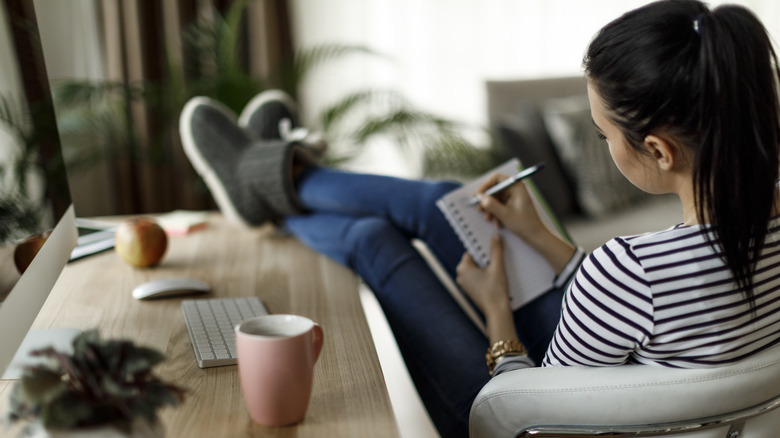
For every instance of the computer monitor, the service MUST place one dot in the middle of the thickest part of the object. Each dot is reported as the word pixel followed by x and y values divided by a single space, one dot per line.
pixel 34 198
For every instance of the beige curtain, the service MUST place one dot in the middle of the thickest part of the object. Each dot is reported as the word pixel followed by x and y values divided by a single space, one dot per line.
pixel 137 34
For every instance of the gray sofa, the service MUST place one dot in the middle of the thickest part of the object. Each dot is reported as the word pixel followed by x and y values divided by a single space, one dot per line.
pixel 549 120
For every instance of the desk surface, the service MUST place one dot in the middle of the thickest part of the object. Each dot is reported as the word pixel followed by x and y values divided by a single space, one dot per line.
pixel 349 396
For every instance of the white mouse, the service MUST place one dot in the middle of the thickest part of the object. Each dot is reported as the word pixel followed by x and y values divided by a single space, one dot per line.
pixel 169 287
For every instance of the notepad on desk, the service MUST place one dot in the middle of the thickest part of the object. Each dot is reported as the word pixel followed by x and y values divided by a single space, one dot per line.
pixel 183 222
pixel 528 273
pixel 95 236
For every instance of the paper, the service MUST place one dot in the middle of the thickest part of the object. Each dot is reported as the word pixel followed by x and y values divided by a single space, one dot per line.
pixel 528 273
pixel 182 222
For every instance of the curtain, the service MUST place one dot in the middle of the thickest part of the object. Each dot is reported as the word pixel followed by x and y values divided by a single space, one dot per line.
pixel 142 40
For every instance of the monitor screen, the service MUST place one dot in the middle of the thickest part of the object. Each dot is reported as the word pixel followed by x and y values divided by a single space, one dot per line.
pixel 37 220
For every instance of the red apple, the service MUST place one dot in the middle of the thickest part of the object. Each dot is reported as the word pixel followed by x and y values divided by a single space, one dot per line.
pixel 140 242
pixel 27 249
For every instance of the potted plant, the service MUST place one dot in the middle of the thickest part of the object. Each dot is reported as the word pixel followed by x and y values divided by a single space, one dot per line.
pixel 105 388
pixel 96 118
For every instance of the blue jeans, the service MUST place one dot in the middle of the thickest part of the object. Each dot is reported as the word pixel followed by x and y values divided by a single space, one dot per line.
pixel 366 222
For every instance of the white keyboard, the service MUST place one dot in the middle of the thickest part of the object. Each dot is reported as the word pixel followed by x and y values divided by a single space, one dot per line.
pixel 211 323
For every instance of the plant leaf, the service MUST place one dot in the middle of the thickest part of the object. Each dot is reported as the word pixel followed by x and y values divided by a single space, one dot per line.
pixel 141 360
pixel 39 385
pixel 229 30
pixel 290 73
pixel 69 410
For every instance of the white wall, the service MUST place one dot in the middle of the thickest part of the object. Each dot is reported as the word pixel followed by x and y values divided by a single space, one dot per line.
pixel 442 51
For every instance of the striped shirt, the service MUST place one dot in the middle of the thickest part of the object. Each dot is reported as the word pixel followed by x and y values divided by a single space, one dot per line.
pixel 666 298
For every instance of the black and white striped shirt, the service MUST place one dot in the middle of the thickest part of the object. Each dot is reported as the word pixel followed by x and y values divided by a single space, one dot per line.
pixel 666 298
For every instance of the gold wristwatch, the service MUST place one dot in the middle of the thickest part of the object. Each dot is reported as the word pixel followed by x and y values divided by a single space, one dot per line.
pixel 501 349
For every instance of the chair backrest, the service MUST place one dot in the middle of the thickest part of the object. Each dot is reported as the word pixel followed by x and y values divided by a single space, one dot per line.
pixel 634 396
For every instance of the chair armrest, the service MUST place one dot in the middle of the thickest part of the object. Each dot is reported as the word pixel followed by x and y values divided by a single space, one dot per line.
pixel 624 395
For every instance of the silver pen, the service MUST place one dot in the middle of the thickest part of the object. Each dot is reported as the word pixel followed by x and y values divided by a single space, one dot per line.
pixel 508 182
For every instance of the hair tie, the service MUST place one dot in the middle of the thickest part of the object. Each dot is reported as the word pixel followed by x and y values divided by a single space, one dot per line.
pixel 697 24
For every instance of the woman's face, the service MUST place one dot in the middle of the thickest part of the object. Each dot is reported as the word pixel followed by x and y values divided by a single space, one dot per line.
pixel 634 165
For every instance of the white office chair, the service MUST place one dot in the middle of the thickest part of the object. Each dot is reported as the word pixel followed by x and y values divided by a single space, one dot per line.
pixel 736 401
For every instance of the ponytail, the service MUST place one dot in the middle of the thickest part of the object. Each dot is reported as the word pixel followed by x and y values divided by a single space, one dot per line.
pixel 708 79
pixel 736 165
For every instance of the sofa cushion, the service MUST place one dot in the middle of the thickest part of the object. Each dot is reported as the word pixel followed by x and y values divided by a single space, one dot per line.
pixel 600 187
pixel 523 135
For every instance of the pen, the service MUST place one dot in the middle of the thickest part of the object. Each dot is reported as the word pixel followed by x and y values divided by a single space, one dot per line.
pixel 509 181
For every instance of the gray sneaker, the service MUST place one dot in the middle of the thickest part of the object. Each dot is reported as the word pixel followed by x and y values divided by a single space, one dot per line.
pixel 251 183
pixel 273 114
pixel 266 112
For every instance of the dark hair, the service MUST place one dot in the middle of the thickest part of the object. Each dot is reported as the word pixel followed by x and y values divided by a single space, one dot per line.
pixel 707 79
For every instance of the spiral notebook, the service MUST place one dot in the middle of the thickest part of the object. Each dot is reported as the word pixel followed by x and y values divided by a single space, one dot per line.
pixel 528 273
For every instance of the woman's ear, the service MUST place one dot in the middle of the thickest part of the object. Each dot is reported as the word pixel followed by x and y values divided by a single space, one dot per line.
pixel 664 153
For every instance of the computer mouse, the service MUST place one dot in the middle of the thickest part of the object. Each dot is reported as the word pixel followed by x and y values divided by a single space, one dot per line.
pixel 169 287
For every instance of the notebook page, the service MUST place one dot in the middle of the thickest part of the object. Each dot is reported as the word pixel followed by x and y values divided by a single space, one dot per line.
pixel 528 274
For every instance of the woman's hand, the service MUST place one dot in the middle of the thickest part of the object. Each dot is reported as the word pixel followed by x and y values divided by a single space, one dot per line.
pixel 487 288
pixel 511 207
pixel 514 209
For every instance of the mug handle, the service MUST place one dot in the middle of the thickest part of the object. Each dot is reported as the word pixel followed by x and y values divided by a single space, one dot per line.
pixel 317 340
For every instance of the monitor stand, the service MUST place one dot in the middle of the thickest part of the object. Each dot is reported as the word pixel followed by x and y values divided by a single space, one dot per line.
pixel 61 339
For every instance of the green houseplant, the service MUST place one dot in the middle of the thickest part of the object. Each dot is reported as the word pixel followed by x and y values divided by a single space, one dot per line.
pixel 105 386
pixel 101 111
pixel 348 124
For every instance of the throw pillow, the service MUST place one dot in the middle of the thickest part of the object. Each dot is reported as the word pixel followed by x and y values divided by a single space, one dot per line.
pixel 524 136
pixel 600 187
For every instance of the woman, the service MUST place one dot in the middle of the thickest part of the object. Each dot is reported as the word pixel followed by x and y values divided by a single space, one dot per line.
pixel 686 100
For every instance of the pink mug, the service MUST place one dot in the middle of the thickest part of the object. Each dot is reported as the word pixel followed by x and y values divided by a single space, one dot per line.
pixel 276 357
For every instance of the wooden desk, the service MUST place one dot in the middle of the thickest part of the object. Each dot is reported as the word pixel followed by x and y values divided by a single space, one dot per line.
pixel 349 396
